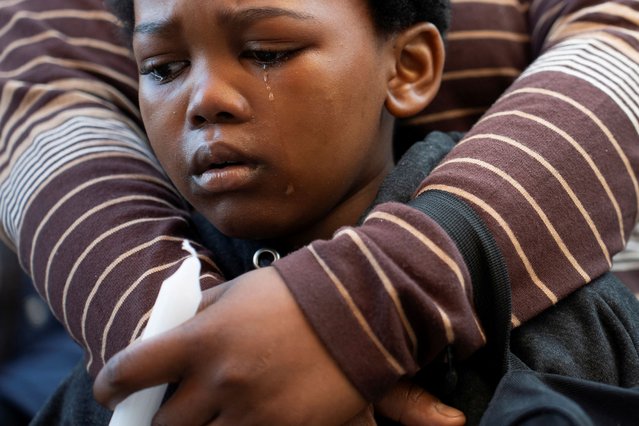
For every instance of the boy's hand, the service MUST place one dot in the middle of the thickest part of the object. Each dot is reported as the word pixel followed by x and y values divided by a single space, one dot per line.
pixel 249 357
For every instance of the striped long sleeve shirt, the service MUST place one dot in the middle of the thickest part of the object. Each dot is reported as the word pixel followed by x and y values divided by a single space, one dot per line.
pixel 548 91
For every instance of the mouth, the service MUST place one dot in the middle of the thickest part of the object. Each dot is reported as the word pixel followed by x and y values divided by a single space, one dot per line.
pixel 223 165
pixel 218 167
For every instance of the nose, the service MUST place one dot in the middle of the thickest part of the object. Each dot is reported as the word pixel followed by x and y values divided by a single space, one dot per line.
pixel 216 99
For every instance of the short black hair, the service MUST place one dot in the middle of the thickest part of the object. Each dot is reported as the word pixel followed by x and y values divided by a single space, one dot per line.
pixel 389 16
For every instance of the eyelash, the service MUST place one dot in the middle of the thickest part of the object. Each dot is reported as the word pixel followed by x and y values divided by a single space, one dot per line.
pixel 277 57
pixel 163 73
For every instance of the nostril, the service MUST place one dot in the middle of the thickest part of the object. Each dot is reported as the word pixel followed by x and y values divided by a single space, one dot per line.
pixel 224 116
pixel 198 120
pixel 221 117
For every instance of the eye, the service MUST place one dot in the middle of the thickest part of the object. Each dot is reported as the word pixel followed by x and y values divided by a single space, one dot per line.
pixel 163 72
pixel 268 57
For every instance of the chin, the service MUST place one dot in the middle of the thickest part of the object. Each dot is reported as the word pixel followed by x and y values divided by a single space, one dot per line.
pixel 248 222
pixel 247 230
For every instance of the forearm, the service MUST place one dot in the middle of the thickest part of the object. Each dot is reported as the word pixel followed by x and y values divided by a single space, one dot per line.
pixel 99 236
pixel 552 166
pixel 387 297
pixel 93 218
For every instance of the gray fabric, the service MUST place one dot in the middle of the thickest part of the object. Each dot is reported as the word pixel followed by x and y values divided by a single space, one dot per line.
pixel 593 335
pixel 576 364
pixel 576 361
pixel 73 404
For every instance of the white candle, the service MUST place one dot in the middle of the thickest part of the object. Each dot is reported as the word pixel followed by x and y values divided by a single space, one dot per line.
pixel 178 300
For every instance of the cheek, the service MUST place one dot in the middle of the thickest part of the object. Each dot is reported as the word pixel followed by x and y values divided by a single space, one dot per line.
pixel 164 129
pixel 338 115
pixel 158 109
pixel 162 107
pixel 346 93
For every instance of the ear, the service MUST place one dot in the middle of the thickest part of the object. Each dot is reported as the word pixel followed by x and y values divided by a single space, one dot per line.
pixel 419 61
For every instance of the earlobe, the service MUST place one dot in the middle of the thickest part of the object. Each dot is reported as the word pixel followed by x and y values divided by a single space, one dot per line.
pixel 419 61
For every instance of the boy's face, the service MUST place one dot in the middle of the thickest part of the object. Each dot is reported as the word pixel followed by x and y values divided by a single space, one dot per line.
pixel 268 115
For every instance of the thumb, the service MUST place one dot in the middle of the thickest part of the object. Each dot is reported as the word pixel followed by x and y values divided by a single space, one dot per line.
pixel 411 405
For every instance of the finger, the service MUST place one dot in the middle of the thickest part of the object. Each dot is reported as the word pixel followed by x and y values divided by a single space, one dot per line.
pixel 144 364
pixel 411 405
pixel 191 404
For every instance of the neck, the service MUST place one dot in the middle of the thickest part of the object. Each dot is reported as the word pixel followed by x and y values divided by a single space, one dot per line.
pixel 347 213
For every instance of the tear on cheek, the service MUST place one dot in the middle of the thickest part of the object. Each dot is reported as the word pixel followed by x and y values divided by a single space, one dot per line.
pixel 290 189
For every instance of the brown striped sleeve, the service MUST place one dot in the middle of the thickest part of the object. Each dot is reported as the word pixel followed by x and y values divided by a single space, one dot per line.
pixel 550 167
pixel 386 297
pixel 559 148
pixel 84 202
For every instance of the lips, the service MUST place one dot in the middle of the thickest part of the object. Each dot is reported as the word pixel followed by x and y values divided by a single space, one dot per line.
pixel 219 167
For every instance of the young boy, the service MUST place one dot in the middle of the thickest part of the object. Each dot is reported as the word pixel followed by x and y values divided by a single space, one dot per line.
pixel 275 119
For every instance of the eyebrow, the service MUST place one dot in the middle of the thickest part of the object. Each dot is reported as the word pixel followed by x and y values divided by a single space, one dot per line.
pixel 249 16
pixel 228 17
pixel 159 27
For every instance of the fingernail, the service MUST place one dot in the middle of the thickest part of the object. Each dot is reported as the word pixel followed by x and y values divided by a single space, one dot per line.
pixel 447 410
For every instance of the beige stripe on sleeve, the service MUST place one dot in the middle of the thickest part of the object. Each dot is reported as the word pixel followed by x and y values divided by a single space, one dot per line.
pixel 97 241
pixel 516 4
pixel 359 316
pixel 120 259
pixel 89 213
pixel 504 225
pixel 73 41
pixel 555 173
pixel 529 198
pixel 441 255
pixel 78 189
pixel 86 15
pixel 137 331
pixel 604 129
pixel 388 285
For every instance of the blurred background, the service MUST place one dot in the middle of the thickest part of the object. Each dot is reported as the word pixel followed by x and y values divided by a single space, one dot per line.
pixel 36 354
